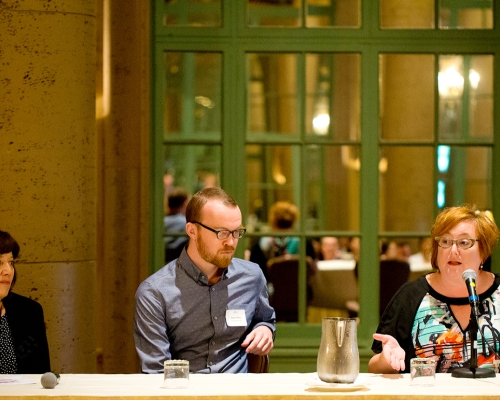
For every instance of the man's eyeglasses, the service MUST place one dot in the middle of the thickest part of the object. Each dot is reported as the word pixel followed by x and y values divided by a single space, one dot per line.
pixel 224 234
pixel 464 244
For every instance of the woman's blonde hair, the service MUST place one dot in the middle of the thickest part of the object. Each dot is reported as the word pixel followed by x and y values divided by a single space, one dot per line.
pixel 283 214
pixel 486 229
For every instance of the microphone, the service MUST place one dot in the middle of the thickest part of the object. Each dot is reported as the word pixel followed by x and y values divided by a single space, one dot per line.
pixel 469 277
pixel 49 380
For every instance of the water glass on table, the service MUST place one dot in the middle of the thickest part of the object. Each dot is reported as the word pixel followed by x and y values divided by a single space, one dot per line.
pixel 176 374
pixel 422 371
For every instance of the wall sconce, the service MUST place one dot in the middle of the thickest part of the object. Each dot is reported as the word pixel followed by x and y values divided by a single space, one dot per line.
pixel 321 119
pixel 451 82
pixel 321 123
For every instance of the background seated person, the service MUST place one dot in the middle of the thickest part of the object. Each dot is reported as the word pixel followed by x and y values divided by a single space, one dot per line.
pixel 175 221
pixel 205 307
pixel 282 217
pixel 329 249
pixel 428 317
pixel 23 339
pixel 422 259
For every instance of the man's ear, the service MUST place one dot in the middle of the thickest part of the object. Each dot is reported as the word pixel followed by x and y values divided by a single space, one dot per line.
pixel 191 230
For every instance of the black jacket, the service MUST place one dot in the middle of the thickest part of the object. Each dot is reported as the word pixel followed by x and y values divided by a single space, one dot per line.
pixel 27 327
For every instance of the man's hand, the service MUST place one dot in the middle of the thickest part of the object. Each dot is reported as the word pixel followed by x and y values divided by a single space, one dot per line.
pixel 392 352
pixel 259 341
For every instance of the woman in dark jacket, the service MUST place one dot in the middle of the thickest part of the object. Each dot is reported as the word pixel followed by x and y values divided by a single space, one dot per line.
pixel 23 340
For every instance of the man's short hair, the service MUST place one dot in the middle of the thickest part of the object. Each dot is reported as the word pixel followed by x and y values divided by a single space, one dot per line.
pixel 199 199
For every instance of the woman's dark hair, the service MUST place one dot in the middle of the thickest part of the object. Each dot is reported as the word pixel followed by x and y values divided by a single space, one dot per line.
pixel 9 245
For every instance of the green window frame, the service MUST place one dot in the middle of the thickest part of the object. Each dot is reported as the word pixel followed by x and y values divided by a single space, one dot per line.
pixel 230 37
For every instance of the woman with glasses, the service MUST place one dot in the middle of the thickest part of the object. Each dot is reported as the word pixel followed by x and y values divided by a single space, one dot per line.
pixel 23 340
pixel 430 317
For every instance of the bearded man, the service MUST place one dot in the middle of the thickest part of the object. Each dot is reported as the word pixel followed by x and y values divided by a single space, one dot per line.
pixel 206 306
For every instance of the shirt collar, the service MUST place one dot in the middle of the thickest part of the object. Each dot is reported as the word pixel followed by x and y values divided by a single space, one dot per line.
pixel 193 271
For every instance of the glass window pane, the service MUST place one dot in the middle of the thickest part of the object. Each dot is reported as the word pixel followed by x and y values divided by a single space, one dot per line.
pixel 407 97
pixel 333 13
pixel 465 105
pixel 282 270
pixel 401 260
pixel 331 182
pixel 333 96
pixel 329 248
pixel 272 94
pixel 465 178
pixel 272 175
pixel 476 14
pixel 192 167
pixel 192 13
pixel 192 94
pixel 406 189
pixel 274 13
pixel 334 285
pixel 397 14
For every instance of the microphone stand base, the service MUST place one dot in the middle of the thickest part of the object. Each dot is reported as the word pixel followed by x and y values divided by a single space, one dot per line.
pixel 473 373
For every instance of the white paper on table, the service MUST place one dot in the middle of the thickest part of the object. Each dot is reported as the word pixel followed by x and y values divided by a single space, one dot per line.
pixel 14 380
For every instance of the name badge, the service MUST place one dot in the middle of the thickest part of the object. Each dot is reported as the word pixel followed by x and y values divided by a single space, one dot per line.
pixel 236 318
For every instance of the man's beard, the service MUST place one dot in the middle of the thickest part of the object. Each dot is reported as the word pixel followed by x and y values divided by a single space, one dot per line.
pixel 220 261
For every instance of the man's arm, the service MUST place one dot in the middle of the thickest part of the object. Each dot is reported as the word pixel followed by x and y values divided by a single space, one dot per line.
pixel 150 330
pixel 259 341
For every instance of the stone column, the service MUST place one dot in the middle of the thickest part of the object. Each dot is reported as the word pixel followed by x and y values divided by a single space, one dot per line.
pixel 48 166
pixel 123 114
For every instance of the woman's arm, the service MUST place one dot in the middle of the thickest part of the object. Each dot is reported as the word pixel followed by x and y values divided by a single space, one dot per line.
pixel 392 358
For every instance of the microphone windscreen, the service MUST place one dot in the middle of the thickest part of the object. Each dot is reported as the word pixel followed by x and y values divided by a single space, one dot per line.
pixel 49 380
pixel 468 274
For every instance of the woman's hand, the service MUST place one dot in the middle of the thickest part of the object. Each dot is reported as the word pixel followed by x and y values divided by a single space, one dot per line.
pixel 392 352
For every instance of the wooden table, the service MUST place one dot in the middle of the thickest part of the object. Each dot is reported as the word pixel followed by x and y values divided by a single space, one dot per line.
pixel 276 386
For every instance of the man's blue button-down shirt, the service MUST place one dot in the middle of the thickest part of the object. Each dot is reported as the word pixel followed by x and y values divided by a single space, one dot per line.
pixel 178 315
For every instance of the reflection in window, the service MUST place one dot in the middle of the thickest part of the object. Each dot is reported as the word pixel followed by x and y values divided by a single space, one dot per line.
pixel 272 94
pixel 272 176
pixel 192 94
pixel 452 14
pixel 191 167
pixel 332 184
pixel 465 97
pixel 443 158
pixel 318 13
pixel 333 13
pixel 468 178
pixel 275 13
pixel 192 13
pixel 332 96
pixel 476 14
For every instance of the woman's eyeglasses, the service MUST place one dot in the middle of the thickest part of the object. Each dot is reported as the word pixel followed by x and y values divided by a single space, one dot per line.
pixel 464 244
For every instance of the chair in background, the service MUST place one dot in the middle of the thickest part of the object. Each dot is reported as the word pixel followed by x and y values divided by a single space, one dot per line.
pixel 283 283
pixel 335 293
pixel 257 364
pixel 393 274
